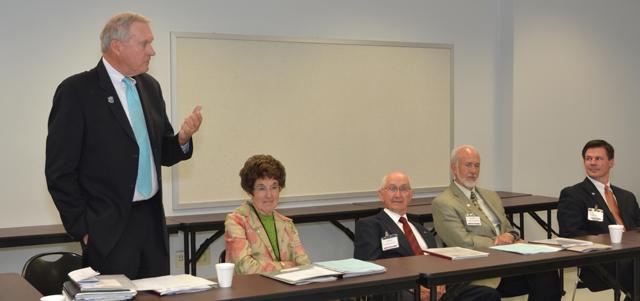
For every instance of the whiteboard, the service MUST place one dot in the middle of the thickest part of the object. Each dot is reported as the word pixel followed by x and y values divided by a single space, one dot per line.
pixel 338 114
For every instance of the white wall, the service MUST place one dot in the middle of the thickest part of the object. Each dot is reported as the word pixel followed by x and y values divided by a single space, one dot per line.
pixel 576 70
pixel 576 73
pixel 525 74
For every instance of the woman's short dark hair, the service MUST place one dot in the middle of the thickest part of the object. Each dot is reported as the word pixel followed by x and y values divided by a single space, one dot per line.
pixel 598 143
pixel 261 166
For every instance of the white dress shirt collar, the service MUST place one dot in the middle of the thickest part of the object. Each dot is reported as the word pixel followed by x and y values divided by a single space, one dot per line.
pixel 396 219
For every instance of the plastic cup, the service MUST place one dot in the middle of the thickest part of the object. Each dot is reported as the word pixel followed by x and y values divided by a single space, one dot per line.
pixel 225 274
pixel 615 231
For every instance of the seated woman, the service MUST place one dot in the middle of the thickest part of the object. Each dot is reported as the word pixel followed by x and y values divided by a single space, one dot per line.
pixel 258 238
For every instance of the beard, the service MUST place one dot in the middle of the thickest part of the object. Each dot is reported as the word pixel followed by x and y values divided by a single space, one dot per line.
pixel 468 183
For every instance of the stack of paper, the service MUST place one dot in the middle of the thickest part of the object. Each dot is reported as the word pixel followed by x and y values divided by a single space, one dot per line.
pixel 326 271
pixel 575 245
pixel 87 284
pixel 173 284
pixel 352 267
pixel 455 253
pixel 304 275
pixel 526 249
pixel 563 242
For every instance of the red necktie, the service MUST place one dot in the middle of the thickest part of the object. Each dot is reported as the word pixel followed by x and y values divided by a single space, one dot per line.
pixel 413 242
pixel 613 205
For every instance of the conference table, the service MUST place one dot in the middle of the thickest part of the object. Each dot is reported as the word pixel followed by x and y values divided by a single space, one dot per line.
pixel 14 287
pixel 402 273
pixel 256 287
pixel 439 271
pixel 46 234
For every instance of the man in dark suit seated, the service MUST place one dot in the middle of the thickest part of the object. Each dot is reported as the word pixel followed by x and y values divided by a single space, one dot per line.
pixel 391 234
pixel 589 207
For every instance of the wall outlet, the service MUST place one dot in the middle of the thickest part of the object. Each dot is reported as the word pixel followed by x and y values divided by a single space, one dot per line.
pixel 205 259
pixel 180 259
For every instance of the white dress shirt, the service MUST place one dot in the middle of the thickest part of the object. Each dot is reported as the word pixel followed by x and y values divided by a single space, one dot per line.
pixel 396 218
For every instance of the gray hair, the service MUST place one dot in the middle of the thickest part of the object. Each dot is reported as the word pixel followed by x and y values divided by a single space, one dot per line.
pixel 455 151
pixel 117 28
pixel 383 183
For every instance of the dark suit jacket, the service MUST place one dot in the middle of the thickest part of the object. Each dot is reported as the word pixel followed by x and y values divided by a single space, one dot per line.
pixel 370 230
pixel 575 200
pixel 91 154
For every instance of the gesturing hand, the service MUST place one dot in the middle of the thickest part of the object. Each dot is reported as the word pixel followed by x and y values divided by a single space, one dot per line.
pixel 190 125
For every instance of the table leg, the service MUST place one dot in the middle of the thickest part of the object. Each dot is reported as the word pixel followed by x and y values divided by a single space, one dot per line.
pixel 521 221
pixel 344 229
pixel 186 251
pixel 636 278
pixel 192 251
pixel 549 226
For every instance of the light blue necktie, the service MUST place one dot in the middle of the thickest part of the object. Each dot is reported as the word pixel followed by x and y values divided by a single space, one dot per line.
pixel 143 183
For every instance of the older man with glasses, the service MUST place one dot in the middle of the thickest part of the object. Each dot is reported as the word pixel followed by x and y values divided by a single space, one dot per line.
pixel 391 233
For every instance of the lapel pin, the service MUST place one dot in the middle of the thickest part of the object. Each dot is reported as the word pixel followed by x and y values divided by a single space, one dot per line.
pixel 593 193
pixel 110 99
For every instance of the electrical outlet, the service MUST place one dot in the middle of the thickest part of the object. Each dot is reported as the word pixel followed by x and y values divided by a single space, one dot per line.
pixel 205 259
pixel 180 259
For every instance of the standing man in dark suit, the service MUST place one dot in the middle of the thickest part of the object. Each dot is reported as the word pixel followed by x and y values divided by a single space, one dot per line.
pixel 589 207
pixel 391 234
pixel 108 136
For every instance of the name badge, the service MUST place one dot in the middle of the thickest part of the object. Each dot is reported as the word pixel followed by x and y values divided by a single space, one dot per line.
pixel 389 242
pixel 595 214
pixel 473 220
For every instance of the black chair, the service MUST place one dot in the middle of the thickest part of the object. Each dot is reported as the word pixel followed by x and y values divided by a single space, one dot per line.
pixel 222 256
pixel 580 284
pixel 48 271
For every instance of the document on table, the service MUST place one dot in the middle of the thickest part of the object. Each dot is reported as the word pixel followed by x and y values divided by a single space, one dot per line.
pixel 352 267
pixel 304 275
pixel 173 284
pixel 455 253
pixel 526 249
pixel 563 242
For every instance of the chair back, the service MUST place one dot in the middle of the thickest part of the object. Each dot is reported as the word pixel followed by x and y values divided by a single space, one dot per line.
pixel 223 255
pixel 48 271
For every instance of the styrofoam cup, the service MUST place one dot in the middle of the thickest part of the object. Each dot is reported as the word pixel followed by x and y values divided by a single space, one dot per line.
pixel 615 231
pixel 225 274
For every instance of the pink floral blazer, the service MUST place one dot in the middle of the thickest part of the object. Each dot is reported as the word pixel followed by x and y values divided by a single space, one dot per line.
pixel 248 246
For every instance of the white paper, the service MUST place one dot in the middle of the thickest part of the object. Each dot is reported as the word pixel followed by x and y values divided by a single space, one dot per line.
pixel 84 275
pixel 524 248
pixel 173 284
pixel 304 274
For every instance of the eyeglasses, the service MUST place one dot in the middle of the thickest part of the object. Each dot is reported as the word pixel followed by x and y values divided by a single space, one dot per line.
pixel 265 189
pixel 394 189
